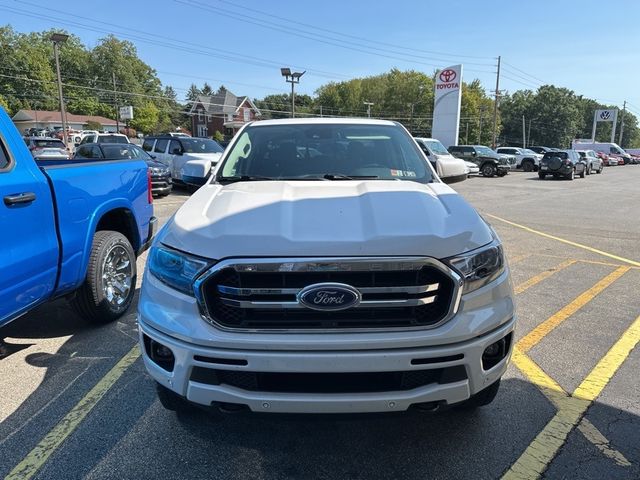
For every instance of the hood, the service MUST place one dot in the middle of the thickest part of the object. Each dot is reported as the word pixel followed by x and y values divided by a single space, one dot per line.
pixel 211 157
pixel 342 218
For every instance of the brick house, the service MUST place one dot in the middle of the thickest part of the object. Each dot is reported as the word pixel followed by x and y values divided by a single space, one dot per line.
pixel 223 112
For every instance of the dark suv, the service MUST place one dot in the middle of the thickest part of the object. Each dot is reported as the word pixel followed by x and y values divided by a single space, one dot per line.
pixel 489 162
pixel 563 163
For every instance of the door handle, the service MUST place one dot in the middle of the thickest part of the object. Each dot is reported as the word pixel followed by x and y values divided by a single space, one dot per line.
pixel 26 197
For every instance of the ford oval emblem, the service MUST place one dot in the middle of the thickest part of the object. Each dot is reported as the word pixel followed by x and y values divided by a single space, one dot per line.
pixel 329 296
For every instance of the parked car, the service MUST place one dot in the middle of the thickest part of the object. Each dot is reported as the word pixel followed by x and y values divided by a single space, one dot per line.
pixel 542 150
pixel 612 149
pixel 43 148
pixel 526 159
pixel 105 138
pixel 75 231
pixel 606 160
pixel 161 183
pixel 592 161
pixel 563 163
pixel 189 159
pixel 79 136
pixel 321 284
pixel 489 162
pixel 449 168
pixel 510 160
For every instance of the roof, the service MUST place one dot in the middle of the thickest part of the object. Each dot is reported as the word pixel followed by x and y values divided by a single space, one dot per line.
pixel 47 116
pixel 222 102
pixel 323 121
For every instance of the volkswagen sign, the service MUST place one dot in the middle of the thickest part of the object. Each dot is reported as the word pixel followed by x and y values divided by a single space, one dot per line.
pixel 329 296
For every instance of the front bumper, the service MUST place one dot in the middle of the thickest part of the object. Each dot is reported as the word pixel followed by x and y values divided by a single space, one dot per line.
pixel 188 356
pixel 173 320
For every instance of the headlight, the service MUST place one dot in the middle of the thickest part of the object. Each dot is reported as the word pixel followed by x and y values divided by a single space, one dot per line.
pixel 176 269
pixel 479 267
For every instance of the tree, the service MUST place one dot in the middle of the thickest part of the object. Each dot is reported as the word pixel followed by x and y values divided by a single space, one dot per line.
pixel 145 117
pixel 193 93
pixel 218 136
pixel 92 125
pixel 207 90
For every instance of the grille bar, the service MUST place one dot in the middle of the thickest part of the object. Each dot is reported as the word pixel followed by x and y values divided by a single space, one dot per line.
pixel 410 302
pixel 246 292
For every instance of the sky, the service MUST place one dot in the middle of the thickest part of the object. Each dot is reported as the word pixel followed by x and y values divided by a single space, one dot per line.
pixel 591 47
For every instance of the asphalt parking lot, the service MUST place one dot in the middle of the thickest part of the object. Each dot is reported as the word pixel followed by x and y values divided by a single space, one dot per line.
pixel 76 402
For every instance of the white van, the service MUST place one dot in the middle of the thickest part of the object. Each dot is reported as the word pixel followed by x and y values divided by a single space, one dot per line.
pixel 604 147
pixel 449 168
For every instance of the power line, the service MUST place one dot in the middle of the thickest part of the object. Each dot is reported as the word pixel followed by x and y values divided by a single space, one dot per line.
pixel 349 45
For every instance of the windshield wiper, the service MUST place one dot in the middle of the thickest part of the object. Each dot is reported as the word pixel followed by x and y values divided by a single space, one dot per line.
pixel 340 176
pixel 244 178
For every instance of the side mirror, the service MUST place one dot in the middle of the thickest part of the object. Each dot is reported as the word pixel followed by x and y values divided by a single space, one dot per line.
pixel 473 154
pixel 456 179
pixel 152 156
pixel 176 151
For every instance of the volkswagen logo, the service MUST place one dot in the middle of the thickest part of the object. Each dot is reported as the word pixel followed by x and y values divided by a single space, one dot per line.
pixel 448 75
pixel 329 296
pixel 605 115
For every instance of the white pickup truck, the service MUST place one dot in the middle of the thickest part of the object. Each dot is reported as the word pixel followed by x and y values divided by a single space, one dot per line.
pixel 325 268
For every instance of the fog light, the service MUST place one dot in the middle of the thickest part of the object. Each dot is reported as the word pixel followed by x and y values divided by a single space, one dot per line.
pixel 496 352
pixel 159 354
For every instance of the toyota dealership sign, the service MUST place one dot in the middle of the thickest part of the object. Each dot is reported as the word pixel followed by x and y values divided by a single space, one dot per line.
pixel 446 108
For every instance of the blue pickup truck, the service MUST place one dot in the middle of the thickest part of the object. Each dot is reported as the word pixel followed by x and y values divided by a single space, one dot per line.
pixel 70 231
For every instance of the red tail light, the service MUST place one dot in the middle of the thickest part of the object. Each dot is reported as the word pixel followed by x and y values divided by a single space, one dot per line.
pixel 149 194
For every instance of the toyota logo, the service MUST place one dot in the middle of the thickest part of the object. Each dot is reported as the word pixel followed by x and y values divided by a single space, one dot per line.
pixel 605 115
pixel 448 75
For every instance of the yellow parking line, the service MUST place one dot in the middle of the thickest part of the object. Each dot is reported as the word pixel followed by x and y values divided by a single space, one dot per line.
pixel 517 258
pixel 538 333
pixel 543 449
pixel 559 397
pixel 543 276
pixel 568 242
pixel 29 466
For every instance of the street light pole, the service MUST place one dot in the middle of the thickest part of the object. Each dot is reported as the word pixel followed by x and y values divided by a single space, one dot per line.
pixel 292 78
pixel 57 39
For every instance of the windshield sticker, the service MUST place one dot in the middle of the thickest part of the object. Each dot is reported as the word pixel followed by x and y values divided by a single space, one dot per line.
pixel 402 173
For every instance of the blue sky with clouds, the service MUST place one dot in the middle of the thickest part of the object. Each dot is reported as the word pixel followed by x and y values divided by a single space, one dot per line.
pixel 588 46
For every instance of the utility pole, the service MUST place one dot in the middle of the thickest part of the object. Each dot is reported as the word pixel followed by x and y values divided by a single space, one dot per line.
pixel 368 104
pixel 624 111
pixel 320 111
pixel 524 131
pixel 529 132
pixel 495 107
pixel 480 129
pixel 58 38
pixel 115 100
pixel 466 135
pixel 292 78
pixel 411 119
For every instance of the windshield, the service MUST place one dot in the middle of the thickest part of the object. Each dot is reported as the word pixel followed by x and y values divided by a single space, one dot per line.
pixel 486 151
pixel 200 145
pixel 118 152
pixel 526 151
pixel 436 147
pixel 48 143
pixel 558 154
pixel 334 151
pixel 112 139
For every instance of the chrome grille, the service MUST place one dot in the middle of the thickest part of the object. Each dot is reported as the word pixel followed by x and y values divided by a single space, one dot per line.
pixel 261 294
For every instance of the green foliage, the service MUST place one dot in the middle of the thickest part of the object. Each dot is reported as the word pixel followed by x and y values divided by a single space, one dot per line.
pixel 279 105
pixel 218 136
pixel 91 125
pixel 145 117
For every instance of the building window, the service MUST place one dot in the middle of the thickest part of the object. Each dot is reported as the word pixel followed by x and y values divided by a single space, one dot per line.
pixel 200 115
pixel 246 114
pixel 208 118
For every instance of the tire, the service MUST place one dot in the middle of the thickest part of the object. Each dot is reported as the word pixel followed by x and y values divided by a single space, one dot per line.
pixel 488 170
pixel 482 398
pixel 170 400
pixel 527 166
pixel 98 300
pixel 572 175
pixel 588 168
pixel 601 169
pixel 582 173
pixel 542 176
